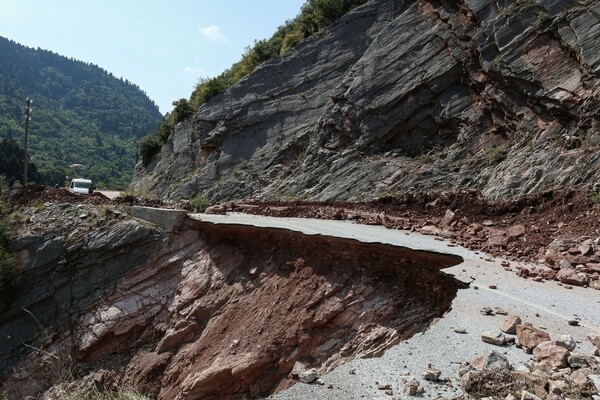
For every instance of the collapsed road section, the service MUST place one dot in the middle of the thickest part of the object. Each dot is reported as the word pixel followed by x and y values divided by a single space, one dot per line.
pixel 213 310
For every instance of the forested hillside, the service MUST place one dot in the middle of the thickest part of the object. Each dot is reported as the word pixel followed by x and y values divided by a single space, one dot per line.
pixel 81 114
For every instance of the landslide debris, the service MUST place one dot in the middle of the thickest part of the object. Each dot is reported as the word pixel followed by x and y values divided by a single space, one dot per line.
pixel 205 311
pixel 558 230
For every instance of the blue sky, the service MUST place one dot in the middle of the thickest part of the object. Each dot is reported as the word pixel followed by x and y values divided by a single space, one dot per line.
pixel 162 46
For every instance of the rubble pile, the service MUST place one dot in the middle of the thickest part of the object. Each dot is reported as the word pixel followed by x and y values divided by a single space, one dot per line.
pixel 557 370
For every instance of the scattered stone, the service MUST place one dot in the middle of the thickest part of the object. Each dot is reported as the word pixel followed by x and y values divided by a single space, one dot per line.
pixel 570 276
pixel 216 209
pixel 486 311
pixel 585 249
pixel 309 376
pixel 564 264
pixel 448 218
pixel 595 340
pixel 580 360
pixel 573 322
pixel 556 386
pixel 411 388
pixel 551 355
pixel 509 325
pixel 516 231
pixel 493 287
pixel 432 374
pixel 566 341
pixel 495 360
pixel 460 330
pixel 530 337
pixel 524 369
pixel 381 386
pixel 430 230
pixel 525 395
pixel 500 311
pixel 495 338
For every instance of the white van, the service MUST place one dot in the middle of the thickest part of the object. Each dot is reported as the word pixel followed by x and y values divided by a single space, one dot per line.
pixel 81 186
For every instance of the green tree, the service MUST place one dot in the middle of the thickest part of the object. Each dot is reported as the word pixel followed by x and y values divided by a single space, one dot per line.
pixel 182 111
pixel 149 147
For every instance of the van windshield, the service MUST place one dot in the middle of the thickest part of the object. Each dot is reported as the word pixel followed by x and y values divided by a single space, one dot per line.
pixel 82 185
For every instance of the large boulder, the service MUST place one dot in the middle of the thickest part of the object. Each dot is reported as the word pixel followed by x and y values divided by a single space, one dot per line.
pixel 529 337
pixel 551 355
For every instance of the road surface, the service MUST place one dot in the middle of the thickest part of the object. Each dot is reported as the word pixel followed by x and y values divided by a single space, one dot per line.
pixel 544 304
pixel 111 194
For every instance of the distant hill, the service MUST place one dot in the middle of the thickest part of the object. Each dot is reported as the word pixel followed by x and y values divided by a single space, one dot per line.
pixel 82 114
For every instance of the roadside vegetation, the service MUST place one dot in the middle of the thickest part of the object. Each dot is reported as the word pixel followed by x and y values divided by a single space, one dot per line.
pixel 200 203
pixel 314 17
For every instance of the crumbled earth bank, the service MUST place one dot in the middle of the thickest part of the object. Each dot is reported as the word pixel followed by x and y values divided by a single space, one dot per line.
pixel 202 312
pixel 559 230
pixel 103 300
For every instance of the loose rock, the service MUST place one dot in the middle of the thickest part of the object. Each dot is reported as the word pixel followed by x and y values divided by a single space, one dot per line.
pixel 530 337
pixel 495 338
pixel 509 325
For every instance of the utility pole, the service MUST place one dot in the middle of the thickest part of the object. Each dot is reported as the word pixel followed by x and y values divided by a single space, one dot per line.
pixel 27 118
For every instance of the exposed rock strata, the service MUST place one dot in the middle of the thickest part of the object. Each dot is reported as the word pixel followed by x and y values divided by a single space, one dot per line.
pixel 211 310
pixel 500 97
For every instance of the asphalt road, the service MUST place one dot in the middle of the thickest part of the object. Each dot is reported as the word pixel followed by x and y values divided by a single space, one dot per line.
pixel 111 194
pixel 544 304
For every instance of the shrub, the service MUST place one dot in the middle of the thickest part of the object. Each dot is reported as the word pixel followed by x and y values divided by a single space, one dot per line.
pixel 200 203
pixel 496 154
pixel 149 147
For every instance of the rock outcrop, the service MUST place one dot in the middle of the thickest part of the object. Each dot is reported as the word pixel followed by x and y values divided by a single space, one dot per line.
pixel 495 96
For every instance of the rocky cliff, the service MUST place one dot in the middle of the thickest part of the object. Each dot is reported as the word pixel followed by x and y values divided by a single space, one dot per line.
pixel 497 96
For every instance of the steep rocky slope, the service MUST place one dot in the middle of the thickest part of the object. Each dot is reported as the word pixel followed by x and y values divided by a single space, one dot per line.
pixel 497 96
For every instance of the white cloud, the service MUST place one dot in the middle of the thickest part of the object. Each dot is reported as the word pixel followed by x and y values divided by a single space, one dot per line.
pixel 214 34
pixel 192 70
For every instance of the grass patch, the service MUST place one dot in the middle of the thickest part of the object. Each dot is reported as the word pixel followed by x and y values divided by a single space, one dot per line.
pixel 595 196
pixel 496 154
pixel 97 394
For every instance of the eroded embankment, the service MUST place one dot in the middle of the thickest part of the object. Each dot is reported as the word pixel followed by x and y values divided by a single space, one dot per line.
pixel 228 311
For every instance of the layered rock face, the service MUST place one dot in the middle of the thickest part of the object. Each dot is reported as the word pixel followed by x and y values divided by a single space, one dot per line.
pixel 497 96
pixel 211 311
